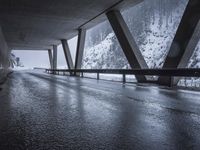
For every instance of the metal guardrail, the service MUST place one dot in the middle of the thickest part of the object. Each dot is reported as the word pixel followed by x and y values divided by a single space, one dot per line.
pixel 39 68
pixel 150 72
pixel 124 72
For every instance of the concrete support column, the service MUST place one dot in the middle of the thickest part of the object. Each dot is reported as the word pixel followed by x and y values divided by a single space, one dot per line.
pixel 50 58
pixel 184 42
pixel 67 54
pixel 127 42
pixel 55 56
pixel 80 48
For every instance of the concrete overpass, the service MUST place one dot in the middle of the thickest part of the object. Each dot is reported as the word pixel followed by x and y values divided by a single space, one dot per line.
pixel 43 26
pixel 42 111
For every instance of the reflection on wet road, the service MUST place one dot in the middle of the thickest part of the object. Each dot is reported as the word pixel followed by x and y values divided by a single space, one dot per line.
pixel 40 111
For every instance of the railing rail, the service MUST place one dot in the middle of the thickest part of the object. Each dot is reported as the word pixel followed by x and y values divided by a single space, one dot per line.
pixel 151 72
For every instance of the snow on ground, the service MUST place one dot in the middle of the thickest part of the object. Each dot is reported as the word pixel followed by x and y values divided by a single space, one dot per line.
pixel 22 68
pixel 111 77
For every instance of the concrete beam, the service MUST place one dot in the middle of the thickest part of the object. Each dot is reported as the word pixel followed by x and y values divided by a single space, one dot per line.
pixel 127 42
pixel 50 58
pixel 184 42
pixel 67 54
pixel 190 47
pixel 80 48
pixel 55 56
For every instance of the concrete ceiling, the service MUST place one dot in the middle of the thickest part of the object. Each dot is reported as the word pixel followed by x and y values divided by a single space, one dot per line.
pixel 38 24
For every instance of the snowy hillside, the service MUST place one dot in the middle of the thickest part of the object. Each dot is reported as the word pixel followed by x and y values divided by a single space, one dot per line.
pixel 155 28
pixel 153 36
pixel 96 57
pixel 153 25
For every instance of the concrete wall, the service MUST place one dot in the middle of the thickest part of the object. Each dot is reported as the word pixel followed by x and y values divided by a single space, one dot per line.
pixel 4 50
pixel 4 56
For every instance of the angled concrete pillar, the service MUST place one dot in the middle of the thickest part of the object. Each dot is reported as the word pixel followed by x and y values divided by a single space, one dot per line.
pixel 189 51
pixel 127 42
pixel 184 42
pixel 55 56
pixel 80 48
pixel 67 54
pixel 50 58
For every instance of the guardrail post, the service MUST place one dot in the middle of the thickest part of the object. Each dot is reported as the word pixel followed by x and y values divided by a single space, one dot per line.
pixel 81 74
pixel 97 76
pixel 124 78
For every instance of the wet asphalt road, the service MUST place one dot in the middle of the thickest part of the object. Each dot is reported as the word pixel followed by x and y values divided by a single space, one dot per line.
pixel 46 112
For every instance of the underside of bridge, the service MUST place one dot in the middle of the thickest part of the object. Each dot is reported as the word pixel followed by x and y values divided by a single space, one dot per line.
pixel 46 111
pixel 41 24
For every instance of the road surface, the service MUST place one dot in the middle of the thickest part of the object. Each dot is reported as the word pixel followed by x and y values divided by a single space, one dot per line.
pixel 43 112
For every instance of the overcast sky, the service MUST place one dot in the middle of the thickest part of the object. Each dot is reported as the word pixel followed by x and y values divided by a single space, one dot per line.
pixel 31 58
